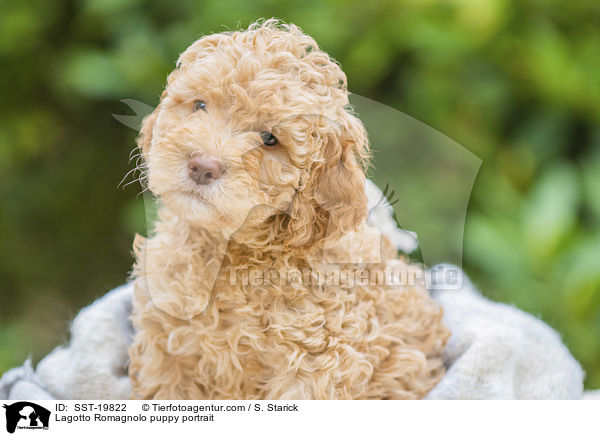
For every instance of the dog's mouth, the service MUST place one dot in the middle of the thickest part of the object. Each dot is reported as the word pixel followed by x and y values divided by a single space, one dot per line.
pixel 186 197
pixel 195 196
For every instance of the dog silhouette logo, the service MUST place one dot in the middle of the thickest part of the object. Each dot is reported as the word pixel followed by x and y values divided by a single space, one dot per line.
pixel 26 415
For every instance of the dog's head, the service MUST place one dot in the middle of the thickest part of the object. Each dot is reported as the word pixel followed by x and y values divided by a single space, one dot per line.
pixel 254 130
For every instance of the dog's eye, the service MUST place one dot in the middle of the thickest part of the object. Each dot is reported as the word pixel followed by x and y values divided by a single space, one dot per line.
pixel 199 105
pixel 268 139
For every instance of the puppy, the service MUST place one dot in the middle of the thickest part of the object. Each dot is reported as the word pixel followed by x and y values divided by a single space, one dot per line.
pixel 259 165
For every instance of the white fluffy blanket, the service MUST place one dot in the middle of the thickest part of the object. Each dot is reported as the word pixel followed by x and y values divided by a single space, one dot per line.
pixel 495 352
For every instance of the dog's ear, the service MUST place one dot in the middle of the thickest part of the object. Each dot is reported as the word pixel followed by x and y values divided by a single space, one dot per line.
pixel 339 189
pixel 333 201
pixel 144 138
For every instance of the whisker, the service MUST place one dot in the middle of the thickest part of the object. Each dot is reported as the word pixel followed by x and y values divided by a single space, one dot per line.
pixel 135 156
pixel 131 171
pixel 139 167
pixel 134 150
pixel 130 183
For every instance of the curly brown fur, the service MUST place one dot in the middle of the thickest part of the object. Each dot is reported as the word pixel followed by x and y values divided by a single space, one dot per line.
pixel 296 206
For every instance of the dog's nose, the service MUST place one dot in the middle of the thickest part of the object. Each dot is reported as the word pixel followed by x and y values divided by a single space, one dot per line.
pixel 202 169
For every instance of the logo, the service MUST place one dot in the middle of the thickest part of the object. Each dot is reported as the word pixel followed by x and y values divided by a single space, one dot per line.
pixel 26 415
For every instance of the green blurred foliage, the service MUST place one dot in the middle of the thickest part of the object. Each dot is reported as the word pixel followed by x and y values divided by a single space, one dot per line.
pixel 517 82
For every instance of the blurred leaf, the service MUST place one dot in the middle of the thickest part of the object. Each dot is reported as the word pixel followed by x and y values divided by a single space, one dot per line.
pixel 94 74
pixel 591 177
pixel 551 210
